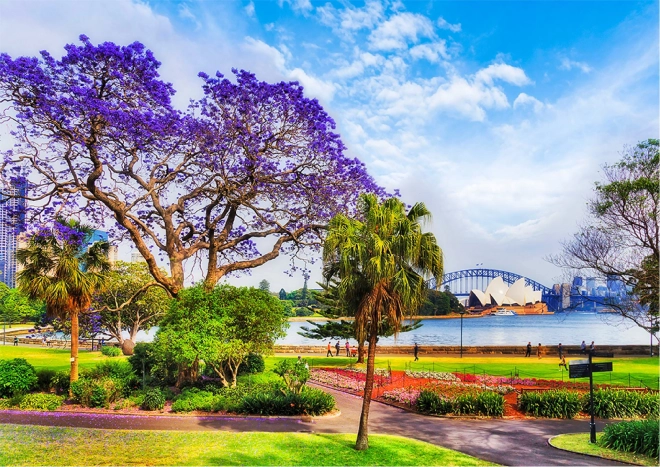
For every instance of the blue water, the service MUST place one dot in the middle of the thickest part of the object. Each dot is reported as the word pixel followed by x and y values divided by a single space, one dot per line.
pixel 567 328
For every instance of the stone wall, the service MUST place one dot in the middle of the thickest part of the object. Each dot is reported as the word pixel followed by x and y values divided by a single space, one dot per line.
pixel 439 350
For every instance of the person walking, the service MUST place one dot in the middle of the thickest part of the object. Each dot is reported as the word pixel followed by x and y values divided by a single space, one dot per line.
pixel 329 354
pixel 560 349
pixel 528 352
pixel 416 351
pixel 563 363
pixel 15 340
pixel 592 347
pixel 538 351
pixel 337 346
pixel 348 349
pixel 583 347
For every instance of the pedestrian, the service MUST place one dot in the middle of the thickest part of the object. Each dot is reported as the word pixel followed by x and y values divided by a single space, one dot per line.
pixel 329 354
pixel 563 363
pixel 337 346
pixel 416 351
pixel 592 347
pixel 15 340
pixel 348 349
pixel 583 347
pixel 538 351
pixel 528 352
pixel 560 349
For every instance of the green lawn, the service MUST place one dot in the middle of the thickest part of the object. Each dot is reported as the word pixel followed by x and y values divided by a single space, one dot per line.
pixel 56 359
pixel 35 445
pixel 579 442
pixel 636 371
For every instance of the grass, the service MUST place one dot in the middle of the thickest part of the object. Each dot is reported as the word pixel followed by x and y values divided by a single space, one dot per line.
pixel 35 445
pixel 579 442
pixel 56 359
pixel 633 371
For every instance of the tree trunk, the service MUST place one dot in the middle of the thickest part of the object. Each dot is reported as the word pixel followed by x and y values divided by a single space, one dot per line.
pixel 74 347
pixel 188 374
pixel 361 352
pixel 362 442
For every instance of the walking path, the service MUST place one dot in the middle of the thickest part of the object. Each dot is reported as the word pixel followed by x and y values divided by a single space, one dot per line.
pixel 506 442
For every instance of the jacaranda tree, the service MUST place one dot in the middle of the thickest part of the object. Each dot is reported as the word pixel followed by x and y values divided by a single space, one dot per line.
pixel 381 260
pixel 250 161
pixel 63 268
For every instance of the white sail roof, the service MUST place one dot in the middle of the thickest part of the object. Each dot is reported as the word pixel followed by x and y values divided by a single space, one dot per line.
pixel 517 292
pixel 497 289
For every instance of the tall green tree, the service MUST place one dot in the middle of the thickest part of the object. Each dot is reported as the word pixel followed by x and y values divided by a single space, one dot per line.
pixel 382 260
pixel 130 302
pixel 16 306
pixel 620 238
pixel 264 285
pixel 64 269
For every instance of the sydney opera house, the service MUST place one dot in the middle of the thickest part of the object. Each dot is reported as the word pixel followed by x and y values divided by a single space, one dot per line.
pixel 517 297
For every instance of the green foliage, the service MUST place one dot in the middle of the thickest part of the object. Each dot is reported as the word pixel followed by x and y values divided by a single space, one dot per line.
pixel 110 351
pixel 439 303
pixel 618 403
pixel 287 305
pixel 60 382
pixel 153 400
pixel 294 373
pixel 309 401
pixel 304 311
pixel 640 437
pixel 206 401
pixel 490 404
pixel 254 363
pixel 557 403
pixel 44 379
pixel 120 371
pixel 16 306
pixel 430 402
pixel 465 404
pixel 96 392
pixel 17 376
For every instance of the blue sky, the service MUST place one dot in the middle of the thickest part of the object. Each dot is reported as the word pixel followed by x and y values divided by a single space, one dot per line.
pixel 498 115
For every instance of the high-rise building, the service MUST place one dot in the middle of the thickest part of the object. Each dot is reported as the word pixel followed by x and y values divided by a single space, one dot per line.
pixel 591 285
pixel 12 223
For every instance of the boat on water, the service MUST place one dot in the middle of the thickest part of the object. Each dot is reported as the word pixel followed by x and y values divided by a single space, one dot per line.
pixel 503 312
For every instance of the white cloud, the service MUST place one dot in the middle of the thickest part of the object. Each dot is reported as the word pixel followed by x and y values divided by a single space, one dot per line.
pixel 249 9
pixel 567 64
pixel 399 30
pixel 526 100
pixel 302 6
pixel 350 19
pixel 504 72
pixel 443 24
pixel 468 98
pixel 432 52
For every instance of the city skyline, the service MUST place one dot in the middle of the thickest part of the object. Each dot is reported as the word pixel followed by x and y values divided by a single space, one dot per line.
pixel 497 115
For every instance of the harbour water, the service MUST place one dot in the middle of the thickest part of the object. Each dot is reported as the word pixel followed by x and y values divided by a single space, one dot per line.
pixel 567 328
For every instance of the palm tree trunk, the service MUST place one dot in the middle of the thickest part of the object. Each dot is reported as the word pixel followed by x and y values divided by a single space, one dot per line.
pixel 74 346
pixel 360 352
pixel 362 442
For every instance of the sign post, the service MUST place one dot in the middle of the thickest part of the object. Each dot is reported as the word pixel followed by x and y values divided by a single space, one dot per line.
pixel 584 368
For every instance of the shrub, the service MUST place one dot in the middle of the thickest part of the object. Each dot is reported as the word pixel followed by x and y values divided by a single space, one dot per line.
pixel 96 393
pixel 618 403
pixel 556 403
pixel 640 437
pixel 44 379
pixel 110 351
pixel 40 401
pixel 60 382
pixel 254 363
pixel 4 404
pixel 431 403
pixel 465 404
pixel 153 400
pixel 120 371
pixel 490 404
pixel 17 376
pixel 295 374
pixel 142 359
pixel 310 401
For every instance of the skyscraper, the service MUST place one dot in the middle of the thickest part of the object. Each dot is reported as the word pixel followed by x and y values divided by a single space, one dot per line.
pixel 12 223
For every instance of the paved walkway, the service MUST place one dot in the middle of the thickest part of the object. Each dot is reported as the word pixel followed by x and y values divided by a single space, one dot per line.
pixel 506 442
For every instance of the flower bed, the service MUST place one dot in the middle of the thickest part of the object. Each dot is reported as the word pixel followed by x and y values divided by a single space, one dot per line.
pixel 336 380
pixel 442 376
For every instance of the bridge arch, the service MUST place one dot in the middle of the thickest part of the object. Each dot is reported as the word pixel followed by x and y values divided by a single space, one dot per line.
pixel 462 282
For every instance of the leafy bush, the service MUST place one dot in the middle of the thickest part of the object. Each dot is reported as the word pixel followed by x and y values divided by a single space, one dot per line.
pixel 310 401
pixel 44 379
pixel 17 376
pixel 153 400
pixel 4 404
pixel 640 437
pixel 304 311
pixel 110 351
pixel 490 404
pixel 195 399
pixel 465 404
pixel 557 403
pixel 142 358
pixel 60 382
pixel 295 374
pixel 254 363
pixel 40 401
pixel 120 371
pixel 96 393
pixel 618 403
pixel 431 403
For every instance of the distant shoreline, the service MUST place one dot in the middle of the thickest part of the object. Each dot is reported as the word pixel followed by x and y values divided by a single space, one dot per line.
pixel 323 318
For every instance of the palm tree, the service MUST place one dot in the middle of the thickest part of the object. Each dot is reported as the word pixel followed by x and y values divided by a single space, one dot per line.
pixel 60 267
pixel 382 262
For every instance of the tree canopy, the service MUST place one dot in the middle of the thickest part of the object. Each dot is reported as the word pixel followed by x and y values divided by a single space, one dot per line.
pixel 98 136
pixel 619 240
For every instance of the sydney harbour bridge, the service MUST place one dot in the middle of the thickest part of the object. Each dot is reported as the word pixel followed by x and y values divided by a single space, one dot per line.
pixel 460 283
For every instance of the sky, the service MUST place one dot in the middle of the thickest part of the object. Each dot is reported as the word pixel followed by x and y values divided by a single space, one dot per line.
pixel 498 115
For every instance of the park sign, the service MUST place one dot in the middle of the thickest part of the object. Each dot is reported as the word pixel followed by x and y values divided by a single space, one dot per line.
pixel 579 369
